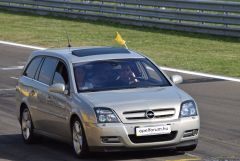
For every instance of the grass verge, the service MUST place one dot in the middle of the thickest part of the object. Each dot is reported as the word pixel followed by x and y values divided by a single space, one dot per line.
pixel 195 52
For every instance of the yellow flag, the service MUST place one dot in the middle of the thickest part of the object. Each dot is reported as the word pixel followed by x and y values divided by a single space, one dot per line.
pixel 119 39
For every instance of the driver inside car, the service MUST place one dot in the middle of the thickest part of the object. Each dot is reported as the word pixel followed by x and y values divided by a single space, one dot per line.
pixel 126 75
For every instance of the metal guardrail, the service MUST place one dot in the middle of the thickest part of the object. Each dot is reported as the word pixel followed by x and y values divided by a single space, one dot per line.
pixel 201 16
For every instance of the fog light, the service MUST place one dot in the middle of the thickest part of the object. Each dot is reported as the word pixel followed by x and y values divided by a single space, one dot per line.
pixel 189 133
pixel 111 139
pixel 195 132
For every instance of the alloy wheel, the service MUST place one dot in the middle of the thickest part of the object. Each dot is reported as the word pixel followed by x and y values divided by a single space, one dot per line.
pixel 77 137
pixel 26 124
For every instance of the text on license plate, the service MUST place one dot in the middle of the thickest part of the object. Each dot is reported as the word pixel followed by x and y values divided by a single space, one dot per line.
pixel 155 130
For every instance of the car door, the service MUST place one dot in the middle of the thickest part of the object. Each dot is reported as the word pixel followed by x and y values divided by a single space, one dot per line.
pixel 26 84
pixel 42 111
pixel 59 104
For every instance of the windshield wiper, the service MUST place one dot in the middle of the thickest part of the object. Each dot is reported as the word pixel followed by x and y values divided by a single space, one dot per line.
pixel 108 89
pixel 120 88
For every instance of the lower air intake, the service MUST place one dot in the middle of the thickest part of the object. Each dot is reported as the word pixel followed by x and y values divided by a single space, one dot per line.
pixel 153 138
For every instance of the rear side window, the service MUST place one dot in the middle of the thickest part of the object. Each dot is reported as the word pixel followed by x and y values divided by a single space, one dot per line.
pixel 32 67
pixel 47 70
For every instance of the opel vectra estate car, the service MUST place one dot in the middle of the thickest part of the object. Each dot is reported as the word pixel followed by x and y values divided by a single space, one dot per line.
pixel 104 99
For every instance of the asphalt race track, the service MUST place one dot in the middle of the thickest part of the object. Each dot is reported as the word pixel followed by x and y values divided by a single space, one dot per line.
pixel 218 101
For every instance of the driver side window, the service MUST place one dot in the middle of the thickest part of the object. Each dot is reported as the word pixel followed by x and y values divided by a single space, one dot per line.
pixel 61 75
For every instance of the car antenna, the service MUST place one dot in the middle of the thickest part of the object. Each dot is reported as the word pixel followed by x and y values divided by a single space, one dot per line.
pixel 68 39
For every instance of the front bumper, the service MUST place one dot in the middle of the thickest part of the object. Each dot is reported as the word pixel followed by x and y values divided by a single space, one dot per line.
pixel 96 132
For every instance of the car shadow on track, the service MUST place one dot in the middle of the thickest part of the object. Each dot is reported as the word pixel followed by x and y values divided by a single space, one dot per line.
pixel 13 148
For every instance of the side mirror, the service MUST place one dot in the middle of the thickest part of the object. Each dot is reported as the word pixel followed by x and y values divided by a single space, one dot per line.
pixel 57 88
pixel 176 79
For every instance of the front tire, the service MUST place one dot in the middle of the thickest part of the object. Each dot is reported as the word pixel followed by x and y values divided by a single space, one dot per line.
pixel 27 127
pixel 78 138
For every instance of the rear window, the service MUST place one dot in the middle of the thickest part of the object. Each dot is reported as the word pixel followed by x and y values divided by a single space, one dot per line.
pixel 47 70
pixel 32 67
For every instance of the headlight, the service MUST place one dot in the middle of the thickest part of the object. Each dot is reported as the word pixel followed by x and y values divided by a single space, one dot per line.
pixel 105 115
pixel 188 108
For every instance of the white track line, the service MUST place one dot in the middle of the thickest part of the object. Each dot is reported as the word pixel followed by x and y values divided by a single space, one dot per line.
pixel 191 155
pixel 14 78
pixel 12 68
pixel 21 45
pixel 201 74
pixel 163 68
pixel 9 89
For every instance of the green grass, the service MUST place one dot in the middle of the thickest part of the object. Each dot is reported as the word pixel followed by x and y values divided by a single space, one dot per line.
pixel 196 52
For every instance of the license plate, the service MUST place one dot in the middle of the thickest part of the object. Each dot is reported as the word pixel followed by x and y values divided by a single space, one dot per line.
pixel 155 130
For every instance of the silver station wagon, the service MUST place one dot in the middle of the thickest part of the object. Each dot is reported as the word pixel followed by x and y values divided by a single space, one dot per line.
pixel 104 99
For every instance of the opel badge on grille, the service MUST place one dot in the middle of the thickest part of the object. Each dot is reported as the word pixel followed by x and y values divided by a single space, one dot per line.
pixel 149 114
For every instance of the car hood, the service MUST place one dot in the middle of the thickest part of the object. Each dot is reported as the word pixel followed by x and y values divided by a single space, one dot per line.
pixel 141 99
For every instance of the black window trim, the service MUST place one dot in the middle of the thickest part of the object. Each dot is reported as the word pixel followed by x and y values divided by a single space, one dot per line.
pixel 39 68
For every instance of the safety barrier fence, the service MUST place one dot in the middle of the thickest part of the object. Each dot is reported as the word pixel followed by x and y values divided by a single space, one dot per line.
pixel 201 16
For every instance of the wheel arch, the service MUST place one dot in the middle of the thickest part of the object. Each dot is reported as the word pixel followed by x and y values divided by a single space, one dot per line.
pixel 72 118
pixel 76 116
pixel 22 107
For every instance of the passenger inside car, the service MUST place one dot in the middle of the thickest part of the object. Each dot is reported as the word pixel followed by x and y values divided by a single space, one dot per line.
pixel 82 82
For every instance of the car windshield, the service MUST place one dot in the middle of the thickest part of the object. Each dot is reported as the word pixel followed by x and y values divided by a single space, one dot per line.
pixel 118 74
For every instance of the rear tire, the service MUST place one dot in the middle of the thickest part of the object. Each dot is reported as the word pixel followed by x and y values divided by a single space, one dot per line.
pixel 79 139
pixel 187 148
pixel 27 127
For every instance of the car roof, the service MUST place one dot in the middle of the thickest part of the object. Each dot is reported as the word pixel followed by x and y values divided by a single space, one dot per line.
pixel 85 54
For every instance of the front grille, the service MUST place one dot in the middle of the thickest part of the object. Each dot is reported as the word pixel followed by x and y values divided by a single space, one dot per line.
pixel 141 114
pixel 153 138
